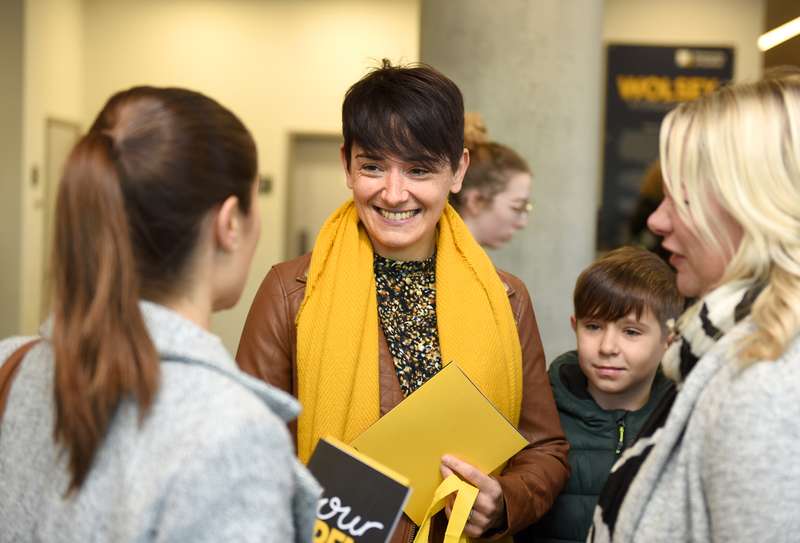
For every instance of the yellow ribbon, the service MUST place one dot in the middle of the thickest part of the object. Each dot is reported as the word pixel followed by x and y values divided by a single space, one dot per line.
pixel 465 499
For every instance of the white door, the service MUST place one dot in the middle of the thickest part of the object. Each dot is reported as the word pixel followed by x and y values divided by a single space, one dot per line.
pixel 60 138
pixel 317 186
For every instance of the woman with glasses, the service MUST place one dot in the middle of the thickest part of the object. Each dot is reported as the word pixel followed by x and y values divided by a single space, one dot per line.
pixel 495 197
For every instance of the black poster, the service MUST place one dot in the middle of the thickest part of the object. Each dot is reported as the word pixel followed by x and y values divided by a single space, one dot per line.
pixel 643 83
pixel 361 502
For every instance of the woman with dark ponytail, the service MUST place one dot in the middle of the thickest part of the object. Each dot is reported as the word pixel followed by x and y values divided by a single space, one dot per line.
pixel 128 420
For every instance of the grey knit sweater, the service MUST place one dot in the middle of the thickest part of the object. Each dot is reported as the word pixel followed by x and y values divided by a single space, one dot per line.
pixel 213 460
pixel 725 465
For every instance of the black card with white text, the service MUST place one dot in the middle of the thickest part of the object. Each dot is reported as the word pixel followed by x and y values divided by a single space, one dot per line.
pixel 361 501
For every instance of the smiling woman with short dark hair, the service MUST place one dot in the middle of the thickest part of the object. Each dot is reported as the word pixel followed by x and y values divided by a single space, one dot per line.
pixel 394 287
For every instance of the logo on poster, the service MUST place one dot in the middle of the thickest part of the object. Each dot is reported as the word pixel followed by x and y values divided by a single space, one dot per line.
pixel 700 58
pixel 325 532
pixel 661 88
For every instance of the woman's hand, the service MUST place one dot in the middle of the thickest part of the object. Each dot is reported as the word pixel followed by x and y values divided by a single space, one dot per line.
pixel 489 510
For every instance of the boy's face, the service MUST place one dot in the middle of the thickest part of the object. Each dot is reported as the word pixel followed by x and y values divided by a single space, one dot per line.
pixel 620 358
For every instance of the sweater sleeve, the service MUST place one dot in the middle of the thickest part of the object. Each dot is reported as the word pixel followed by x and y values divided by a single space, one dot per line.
pixel 240 488
pixel 751 477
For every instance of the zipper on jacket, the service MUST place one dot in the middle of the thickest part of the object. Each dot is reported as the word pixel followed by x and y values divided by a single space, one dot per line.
pixel 620 435
pixel 412 533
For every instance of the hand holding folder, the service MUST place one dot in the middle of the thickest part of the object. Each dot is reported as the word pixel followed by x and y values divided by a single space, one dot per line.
pixel 489 509
pixel 446 415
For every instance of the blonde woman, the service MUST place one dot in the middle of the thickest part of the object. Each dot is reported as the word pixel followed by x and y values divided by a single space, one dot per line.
pixel 721 465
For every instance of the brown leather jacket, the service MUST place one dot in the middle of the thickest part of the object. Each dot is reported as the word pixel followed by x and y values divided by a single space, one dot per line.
pixel 532 478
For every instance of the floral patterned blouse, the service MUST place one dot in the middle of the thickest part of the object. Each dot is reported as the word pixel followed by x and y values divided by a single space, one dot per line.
pixel 407 312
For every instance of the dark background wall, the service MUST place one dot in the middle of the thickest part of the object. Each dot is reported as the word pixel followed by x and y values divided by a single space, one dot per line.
pixel 779 12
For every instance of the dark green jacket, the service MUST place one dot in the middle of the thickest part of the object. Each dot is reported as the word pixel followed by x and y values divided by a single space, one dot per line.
pixel 596 438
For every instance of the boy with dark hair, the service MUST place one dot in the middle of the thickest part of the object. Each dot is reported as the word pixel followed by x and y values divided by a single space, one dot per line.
pixel 607 389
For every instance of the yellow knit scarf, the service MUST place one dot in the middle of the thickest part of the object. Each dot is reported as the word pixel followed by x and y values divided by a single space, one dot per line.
pixel 337 328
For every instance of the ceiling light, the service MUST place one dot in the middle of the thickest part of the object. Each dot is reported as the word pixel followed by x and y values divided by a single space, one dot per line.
pixel 780 34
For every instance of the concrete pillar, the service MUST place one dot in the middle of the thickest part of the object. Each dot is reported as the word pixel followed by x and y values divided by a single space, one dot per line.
pixel 11 85
pixel 533 70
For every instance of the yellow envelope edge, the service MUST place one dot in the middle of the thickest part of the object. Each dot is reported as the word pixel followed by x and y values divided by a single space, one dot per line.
pixel 371 462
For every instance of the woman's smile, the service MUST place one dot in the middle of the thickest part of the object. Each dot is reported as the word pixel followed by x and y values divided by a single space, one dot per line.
pixel 396 216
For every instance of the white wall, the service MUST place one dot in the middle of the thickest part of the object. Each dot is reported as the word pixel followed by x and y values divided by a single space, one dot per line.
pixel 53 87
pixel 736 23
pixel 281 65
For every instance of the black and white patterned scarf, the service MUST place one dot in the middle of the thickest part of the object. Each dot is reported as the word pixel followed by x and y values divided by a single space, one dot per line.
pixel 698 331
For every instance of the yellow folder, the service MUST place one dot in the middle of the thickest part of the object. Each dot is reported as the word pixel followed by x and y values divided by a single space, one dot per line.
pixel 446 415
